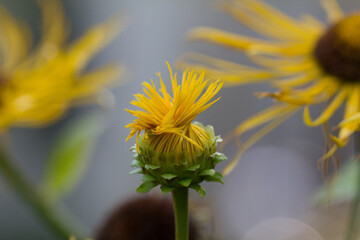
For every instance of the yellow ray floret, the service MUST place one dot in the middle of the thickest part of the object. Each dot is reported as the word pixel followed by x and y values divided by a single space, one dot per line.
pixel 167 119
pixel 309 62
pixel 38 85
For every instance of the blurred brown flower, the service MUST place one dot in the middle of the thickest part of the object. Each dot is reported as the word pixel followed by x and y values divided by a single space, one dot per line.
pixel 144 218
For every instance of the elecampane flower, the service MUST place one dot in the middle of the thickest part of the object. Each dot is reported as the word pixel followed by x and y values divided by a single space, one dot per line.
pixel 173 151
pixel 38 85
pixel 310 62
pixel 168 118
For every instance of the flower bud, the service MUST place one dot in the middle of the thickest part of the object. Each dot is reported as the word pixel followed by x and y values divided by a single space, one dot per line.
pixel 174 152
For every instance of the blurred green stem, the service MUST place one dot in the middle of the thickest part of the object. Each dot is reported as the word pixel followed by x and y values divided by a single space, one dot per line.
pixel 354 216
pixel 53 219
pixel 180 198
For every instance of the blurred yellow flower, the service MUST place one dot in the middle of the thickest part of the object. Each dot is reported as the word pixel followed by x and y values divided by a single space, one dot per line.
pixel 38 85
pixel 309 62
pixel 167 119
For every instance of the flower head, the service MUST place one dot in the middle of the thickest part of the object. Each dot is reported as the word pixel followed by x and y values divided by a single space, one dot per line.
pixel 38 85
pixel 308 61
pixel 171 143
pixel 168 119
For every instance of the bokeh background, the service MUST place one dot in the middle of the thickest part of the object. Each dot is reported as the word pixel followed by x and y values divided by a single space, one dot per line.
pixel 275 180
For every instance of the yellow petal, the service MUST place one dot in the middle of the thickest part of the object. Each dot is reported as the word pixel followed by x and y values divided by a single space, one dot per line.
pixel 265 20
pixel 53 29
pixel 15 40
pixel 221 37
pixel 333 10
pixel 278 120
pixel 327 113
pixel 330 153
pixel 352 108
pixel 96 38
pixel 261 118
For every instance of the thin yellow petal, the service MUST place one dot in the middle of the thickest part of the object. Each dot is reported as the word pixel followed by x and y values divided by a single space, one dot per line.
pixel 327 113
pixel 261 118
pixel 256 137
pixel 15 40
pixel 333 10
pixel 221 37
pixel 54 26
pixel 330 153
pixel 265 20
pixel 95 39
pixel 352 108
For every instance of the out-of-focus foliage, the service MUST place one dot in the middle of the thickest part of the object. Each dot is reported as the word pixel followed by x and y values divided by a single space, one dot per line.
pixel 342 188
pixel 70 156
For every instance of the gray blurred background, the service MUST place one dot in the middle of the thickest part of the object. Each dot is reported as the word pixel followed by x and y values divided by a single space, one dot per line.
pixel 274 181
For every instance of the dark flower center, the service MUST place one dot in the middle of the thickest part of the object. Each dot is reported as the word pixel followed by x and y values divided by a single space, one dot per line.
pixel 338 50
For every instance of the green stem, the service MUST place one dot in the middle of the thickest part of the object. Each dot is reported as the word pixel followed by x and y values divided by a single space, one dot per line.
pixel 354 220
pixel 180 199
pixel 53 219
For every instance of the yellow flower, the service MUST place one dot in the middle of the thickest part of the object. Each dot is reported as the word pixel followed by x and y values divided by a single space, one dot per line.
pixel 167 119
pixel 38 85
pixel 308 61
pixel 173 151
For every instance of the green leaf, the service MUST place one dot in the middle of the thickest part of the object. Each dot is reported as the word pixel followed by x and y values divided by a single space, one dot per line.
pixel 70 156
pixel 166 189
pixel 136 171
pixel 151 167
pixel 342 189
pixel 185 182
pixel 193 168
pixel 168 176
pixel 201 191
pixel 148 178
pixel 207 172
pixel 146 187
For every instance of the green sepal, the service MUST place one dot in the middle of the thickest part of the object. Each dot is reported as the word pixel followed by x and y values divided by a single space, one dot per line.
pixel 207 172
pixel 174 169
pixel 148 178
pixel 146 187
pixel 193 168
pixel 166 189
pixel 218 177
pixel 168 176
pixel 136 163
pixel 185 182
pixel 218 157
pixel 218 139
pixel 151 167
pixel 133 149
pixel 136 171
pixel 200 190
